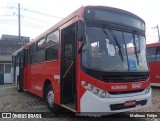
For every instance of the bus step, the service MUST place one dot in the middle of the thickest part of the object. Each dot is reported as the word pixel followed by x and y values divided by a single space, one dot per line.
pixel 69 107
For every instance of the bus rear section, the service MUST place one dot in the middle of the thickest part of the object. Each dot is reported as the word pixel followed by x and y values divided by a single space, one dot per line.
pixel 95 64
pixel 153 58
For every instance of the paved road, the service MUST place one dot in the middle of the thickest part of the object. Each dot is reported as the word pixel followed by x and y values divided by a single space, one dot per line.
pixel 13 101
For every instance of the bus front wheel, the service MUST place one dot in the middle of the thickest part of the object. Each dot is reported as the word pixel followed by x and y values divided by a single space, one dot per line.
pixel 50 99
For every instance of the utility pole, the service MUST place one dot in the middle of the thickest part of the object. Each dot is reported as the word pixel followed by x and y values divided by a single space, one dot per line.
pixel 156 27
pixel 19 23
pixel 158 32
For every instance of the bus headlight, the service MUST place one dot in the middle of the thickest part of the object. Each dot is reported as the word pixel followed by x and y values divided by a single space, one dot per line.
pixel 99 92
pixel 147 89
pixel 103 94
pixel 90 87
pixel 96 91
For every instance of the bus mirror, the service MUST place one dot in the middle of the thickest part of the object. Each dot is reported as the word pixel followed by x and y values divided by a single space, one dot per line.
pixel 80 32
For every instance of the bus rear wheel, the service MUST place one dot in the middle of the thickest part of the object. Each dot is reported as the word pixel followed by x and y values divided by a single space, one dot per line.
pixel 49 95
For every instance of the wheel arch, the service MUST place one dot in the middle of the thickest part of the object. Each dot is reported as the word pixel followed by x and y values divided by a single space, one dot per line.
pixel 46 87
pixel 56 89
pixel 47 82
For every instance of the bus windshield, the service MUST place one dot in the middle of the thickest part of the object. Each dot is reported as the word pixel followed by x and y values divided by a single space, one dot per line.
pixel 102 53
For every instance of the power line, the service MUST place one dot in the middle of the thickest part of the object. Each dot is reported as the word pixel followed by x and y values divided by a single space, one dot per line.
pixel 4 7
pixel 8 24
pixel 33 25
pixel 4 20
pixel 29 18
pixel 24 23
pixel 37 19
pixel 42 13
pixel 151 36
pixel 13 21
pixel 29 10
pixel 7 20
pixel 7 15
pixel 36 12
pixel 148 27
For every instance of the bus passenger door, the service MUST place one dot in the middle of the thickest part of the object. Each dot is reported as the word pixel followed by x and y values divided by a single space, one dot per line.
pixel 20 75
pixel 14 65
pixel 68 66
pixel 21 70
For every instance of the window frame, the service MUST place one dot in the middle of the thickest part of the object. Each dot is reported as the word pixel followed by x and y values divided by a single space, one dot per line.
pixel 43 40
pixel 52 46
pixel 5 65
pixel 2 67
pixel 154 54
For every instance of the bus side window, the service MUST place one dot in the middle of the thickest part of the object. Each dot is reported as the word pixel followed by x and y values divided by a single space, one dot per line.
pixel 40 45
pixel 32 50
pixel 52 44
pixel 52 53
pixel 151 54
pixel 158 53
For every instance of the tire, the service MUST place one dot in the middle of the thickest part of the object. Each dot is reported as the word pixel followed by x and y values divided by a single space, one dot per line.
pixel 49 98
pixel 19 88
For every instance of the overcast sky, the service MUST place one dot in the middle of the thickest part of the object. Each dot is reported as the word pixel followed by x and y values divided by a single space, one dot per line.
pixel 34 22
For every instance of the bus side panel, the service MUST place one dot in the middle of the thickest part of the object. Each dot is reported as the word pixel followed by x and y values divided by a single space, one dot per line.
pixel 37 74
pixel 27 76
pixel 80 89
pixel 36 78
pixel 154 72
pixel 52 73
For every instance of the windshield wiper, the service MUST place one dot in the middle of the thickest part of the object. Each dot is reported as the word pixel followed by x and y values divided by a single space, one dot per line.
pixel 113 35
pixel 82 44
pixel 136 50
pixel 80 49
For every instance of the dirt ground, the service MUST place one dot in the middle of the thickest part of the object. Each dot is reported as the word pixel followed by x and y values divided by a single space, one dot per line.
pixel 13 101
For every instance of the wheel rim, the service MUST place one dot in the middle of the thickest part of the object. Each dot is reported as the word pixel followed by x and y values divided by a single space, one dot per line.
pixel 50 98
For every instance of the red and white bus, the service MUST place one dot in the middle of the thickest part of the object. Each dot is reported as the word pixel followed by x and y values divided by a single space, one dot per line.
pixel 94 60
pixel 153 58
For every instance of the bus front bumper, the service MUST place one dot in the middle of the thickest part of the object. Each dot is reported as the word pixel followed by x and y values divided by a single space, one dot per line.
pixel 90 103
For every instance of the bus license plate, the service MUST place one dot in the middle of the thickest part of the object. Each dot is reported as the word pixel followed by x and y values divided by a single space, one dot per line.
pixel 130 103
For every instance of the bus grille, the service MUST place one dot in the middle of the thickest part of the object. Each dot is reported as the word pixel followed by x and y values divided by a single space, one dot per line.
pixel 125 92
pixel 120 79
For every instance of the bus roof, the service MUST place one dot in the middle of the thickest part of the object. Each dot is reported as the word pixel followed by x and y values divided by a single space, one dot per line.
pixel 17 51
pixel 79 13
pixel 153 44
